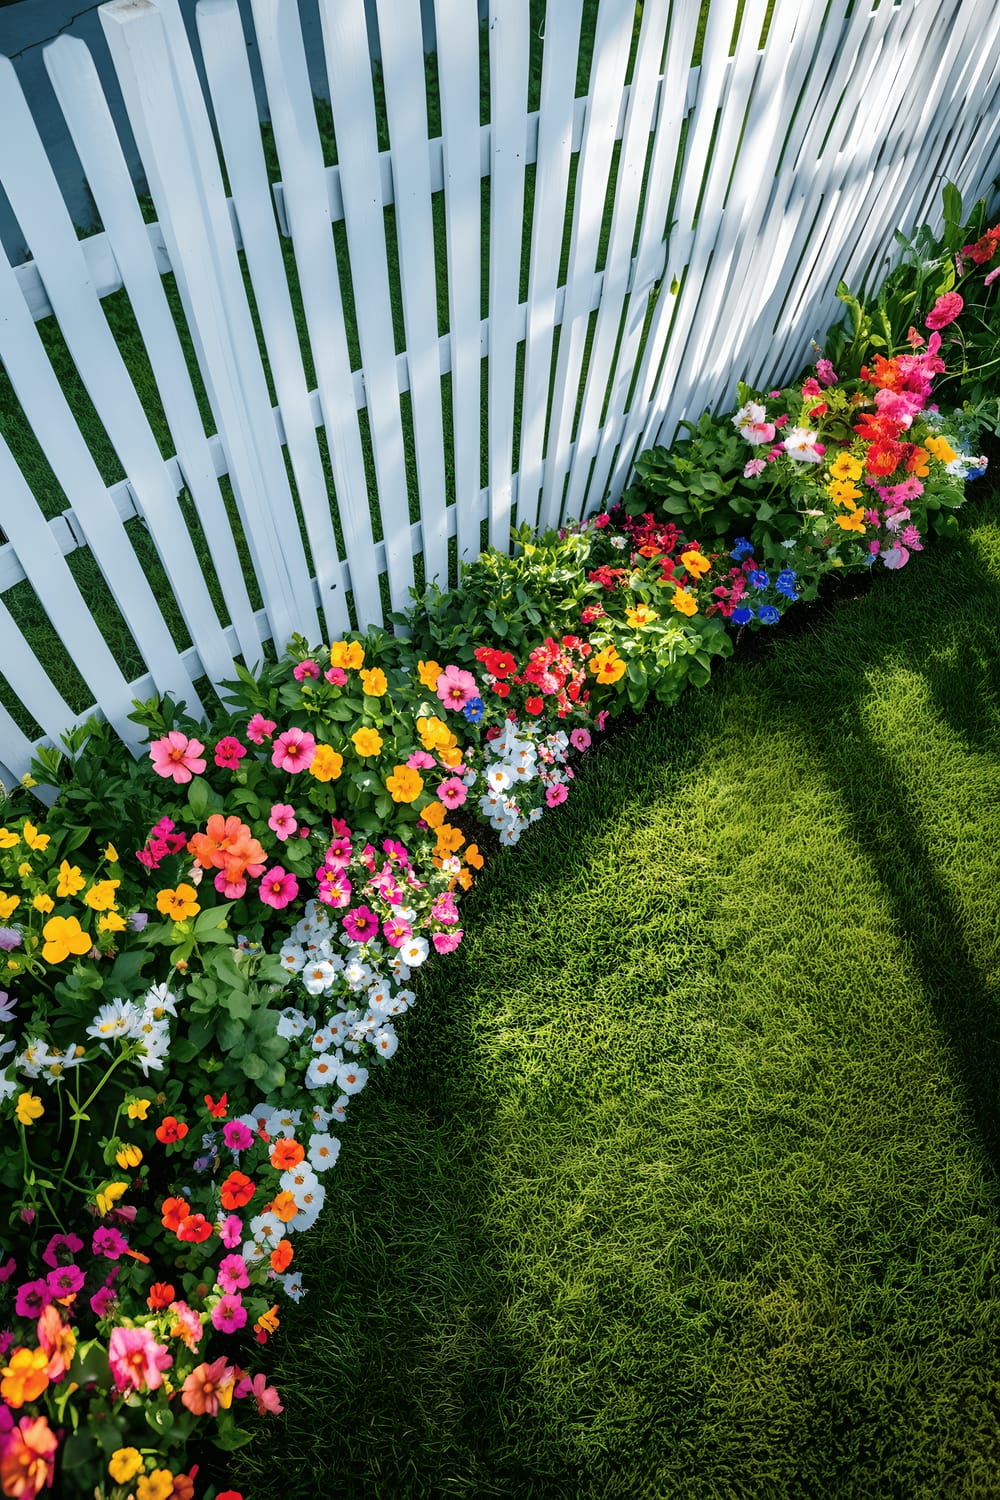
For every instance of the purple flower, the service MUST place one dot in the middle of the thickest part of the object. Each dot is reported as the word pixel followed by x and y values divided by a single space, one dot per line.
pixel 109 1242
pixel 138 920
pixel 33 1297
pixel 103 1301
pixel 61 1249
pixel 10 938
pixel 65 1281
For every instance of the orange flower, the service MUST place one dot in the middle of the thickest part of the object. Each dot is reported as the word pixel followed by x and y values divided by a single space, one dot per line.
pixel 326 764
pixel 348 655
pixel 686 603
pixel 281 1256
pixel 286 1153
pixel 237 1190
pixel 58 1340
pixel 284 1206
pixel 429 672
pixel 433 814
pixel 266 1324
pixel 606 665
pixel 209 1387
pixel 178 904
pixel 28 1462
pixel 161 1294
pixel 473 857
pixel 174 1211
pixel 448 839
pixel 25 1377
pixel 695 563
pixel 169 1130
pixel 227 844
pixel 405 784
pixel 374 682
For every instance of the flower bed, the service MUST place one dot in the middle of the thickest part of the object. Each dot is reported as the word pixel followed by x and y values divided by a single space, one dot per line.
pixel 205 954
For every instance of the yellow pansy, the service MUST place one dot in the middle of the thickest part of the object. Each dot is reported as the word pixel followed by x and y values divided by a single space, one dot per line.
pixel 138 1109
pixel 124 1464
pixel 178 904
pixel 433 733
pixel 43 903
pixel 112 921
pixel 607 665
pixel 34 839
pixel 854 521
pixel 347 654
pixel 8 905
pixel 695 563
pixel 326 764
pixel 843 491
pixel 29 1108
pixel 25 871
pixel 102 894
pixel 70 879
pixel 366 741
pixel 8 838
pixel 111 854
pixel 640 615
pixel 429 672
pixel 374 682
pixel 845 467
pixel 157 1486
pixel 940 448
pixel 63 936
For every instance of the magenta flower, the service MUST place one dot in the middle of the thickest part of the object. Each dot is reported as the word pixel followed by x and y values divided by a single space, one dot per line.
pixel 65 1281
pixel 33 1297
pixel 338 856
pixel 282 820
pixel 456 688
pixel 233 1275
pixel 945 310
pixel 237 1136
pixel 303 669
pixel 109 1242
pixel 294 750
pixel 825 373
pixel 579 739
pixel 10 1266
pixel 229 1314
pixel 265 1395
pixel 447 942
pixel 420 760
pixel 396 851
pixel 360 924
pixel 278 887
pixel 911 538
pixel 103 1301
pixel 229 752
pixel 137 1361
pixel 452 792
pixel 397 931
pixel 336 676
pixel 334 887
pixel 260 729
pixel 176 756
pixel 556 794
pixel 60 1249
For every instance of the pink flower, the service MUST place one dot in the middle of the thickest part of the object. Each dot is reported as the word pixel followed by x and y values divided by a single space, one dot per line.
pixel 334 887
pixel 911 538
pixel 397 931
pixel 231 1228
pixel 556 794
pixel 33 1297
pixel 65 1280
pixel 360 924
pixel 229 1314
pixel 335 675
pixel 282 820
pixel 303 669
pixel 265 1395
pixel 754 467
pixel 825 373
pixel 447 942
pixel 61 1247
pixel 455 688
pixel 229 752
pixel 233 1274
pixel 278 887
pixel 896 557
pixel 177 756
pixel 811 389
pixel 260 729
pixel 137 1361
pixel 237 1136
pixel 420 761
pixel 579 739
pixel 452 792
pixel 294 750
pixel 602 718
pixel 989 280
pixel 945 310
pixel 231 889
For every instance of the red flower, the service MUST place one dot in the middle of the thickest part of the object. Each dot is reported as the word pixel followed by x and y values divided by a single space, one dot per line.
pixel 217 1110
pixel 174 1211
pixel 237 1190
pixel 171 1129
pixel 161 1294
pixel 534 705
pixel 285 1154
pixel 194 1229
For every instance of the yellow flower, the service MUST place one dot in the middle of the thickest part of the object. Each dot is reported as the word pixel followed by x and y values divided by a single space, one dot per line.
pixel 138 1109
pixel 940 448
pixel 29 1108
pixel 433 814
pixel 129 1155
pixel 845 467
pixel 108 1196
pixel 449 838
pixel 405 784
pixel 43 903
pixel 347 654
pixel 450 755
pixel 8 905
pixel 434 733
pixel 40 841
pixel 111 854
pixel 112 921
pixel 102 894
pixel 429 672
pixel 25 871
pixel 607 665
pixel 8 838
pixel 124 1464
pixel 366 741
pixel 28 781
pixel 63 936
pixel 374 682
pixel 178 904
pixel 24 1379
pixel 70 879
pixel 685 602
pixel 695 563
pixel 640 615
pixel 843 492
pixel 854 521
pixel 157 1486
pixel 326 764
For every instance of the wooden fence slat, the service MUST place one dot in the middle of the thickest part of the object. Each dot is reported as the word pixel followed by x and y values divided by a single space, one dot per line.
pixel 29 680
pixel 77 87
pixel 49 416
pixel 402 49
pixel 15 757
pixel 300 153
pixel 555 142
pixel 457 26
pixel 224 52
pixel 611 48
pixel 58 594
pixel 348 66
pixel 186 185
pixel 34 196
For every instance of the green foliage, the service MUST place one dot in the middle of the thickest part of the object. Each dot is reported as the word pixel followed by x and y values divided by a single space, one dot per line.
pixel 697 482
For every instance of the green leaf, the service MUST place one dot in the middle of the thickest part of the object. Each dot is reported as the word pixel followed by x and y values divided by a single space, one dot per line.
pixel 199 797
pixel 952 200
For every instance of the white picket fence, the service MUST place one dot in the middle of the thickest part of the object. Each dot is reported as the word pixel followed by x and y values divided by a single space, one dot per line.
pixel 740 191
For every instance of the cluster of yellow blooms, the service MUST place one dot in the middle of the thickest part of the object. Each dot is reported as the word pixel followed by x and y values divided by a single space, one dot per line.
pixel 32 885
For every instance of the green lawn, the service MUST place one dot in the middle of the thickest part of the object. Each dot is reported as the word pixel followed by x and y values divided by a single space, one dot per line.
pixel 684 1182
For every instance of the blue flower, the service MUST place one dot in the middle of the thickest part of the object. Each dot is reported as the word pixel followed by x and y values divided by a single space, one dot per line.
pixel 758 578
pixel 769 615
pixel 785 583
pixel 741 549
pixel 975 474
pixel 474 710
pixel 743 615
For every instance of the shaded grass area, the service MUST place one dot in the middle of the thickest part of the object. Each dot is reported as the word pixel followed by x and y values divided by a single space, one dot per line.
pixel 685 1185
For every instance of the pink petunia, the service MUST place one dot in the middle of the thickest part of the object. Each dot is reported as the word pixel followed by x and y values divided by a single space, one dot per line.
pixel 237 1136
pixel 754 467
pixel 233 1275
pixel 456 688
pixel 420 760
pixel 304 669
pixel 579 739
pixel 294 750
pixel 282 820
pixel 452 792
pixel 229 752
pixel 556 794
pixel 945 310
pixel 265 1395
pixel 231 889
pixel 65 1281
pixel 360 924
pixel 137 1361
pixel 231 1228
pixel 278 887
pixel 447 942
pixel 229 1314
pixel 825 373
pixel 260 729
pixel 396 931
pixel 33 1297
pixel 177 756
pixel 336 676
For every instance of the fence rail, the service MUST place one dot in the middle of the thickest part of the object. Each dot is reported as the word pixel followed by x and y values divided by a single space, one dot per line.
pixel 309 384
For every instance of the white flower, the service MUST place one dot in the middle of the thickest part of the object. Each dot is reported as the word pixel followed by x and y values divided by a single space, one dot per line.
pixel 414 951
pixel 6 1047
pixel 283 1122
pixel 267 1229
pixel 338 1111
pixel 323 1152
pixel 397 968
pixel 351 1078
pixel 617 541
pixel 323 1071
pixel 510 835
pixel 386 1041
pixel 293 1286
pixel 299 1181
pixel 293 1023
pixel 293 957
pixel 155 1050
pixel 497 779
pixel 160 999
pixel 117 1018
pixel 801 443
pixel 318 977
pixel 402 1003
pixel 358 975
